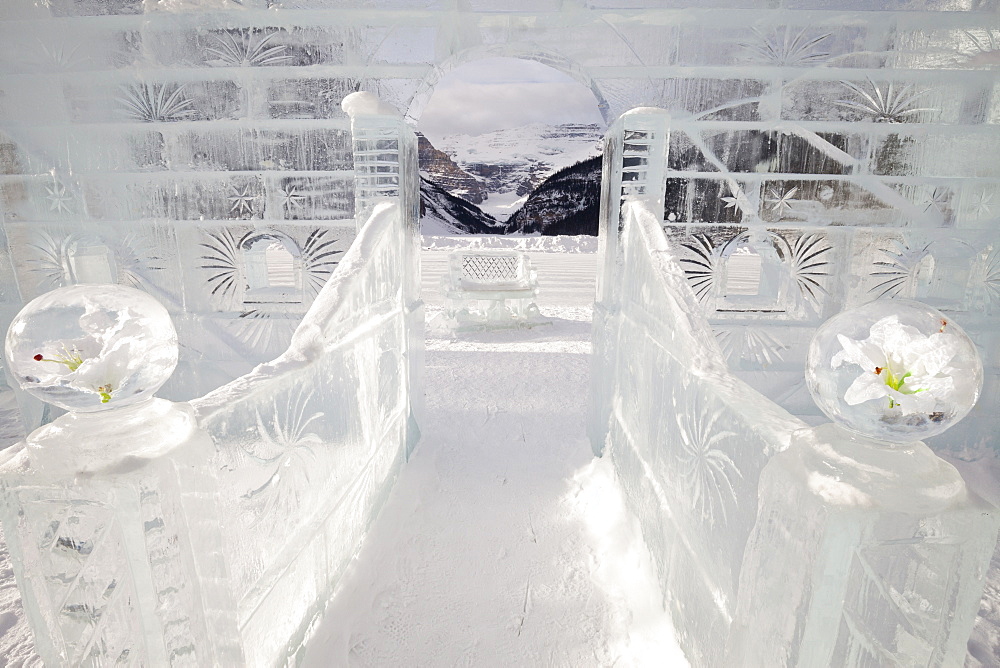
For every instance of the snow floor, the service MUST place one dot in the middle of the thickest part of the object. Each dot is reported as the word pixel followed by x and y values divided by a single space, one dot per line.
pixel 504 541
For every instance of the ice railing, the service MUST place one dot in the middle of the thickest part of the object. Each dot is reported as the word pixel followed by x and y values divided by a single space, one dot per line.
pixel 162 563
pixel 690 441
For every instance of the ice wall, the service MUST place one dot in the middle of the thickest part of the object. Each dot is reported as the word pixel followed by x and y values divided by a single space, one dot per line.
pixel 688 439
pixel 163 142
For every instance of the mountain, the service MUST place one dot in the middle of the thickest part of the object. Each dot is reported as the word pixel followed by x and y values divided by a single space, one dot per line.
pixel 509 164
pixel 568 202
pixel 443 213
pixel 438 167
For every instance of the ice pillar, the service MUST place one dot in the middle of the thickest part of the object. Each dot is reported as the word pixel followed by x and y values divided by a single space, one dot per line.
pixel 110 511
pixel 869 551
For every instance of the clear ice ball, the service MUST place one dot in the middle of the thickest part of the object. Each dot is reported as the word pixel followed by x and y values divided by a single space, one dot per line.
pixel 894 370
pixel 92 347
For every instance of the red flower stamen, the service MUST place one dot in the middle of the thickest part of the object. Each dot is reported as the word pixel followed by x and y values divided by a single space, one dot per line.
pixel 39 357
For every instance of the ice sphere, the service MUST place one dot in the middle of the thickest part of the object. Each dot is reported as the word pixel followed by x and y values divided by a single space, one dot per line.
pixel 92 347
pixel 895 370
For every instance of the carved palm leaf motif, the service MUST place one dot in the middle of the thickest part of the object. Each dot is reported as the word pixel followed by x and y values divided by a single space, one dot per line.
pixel 809 267
pixel 48 262
pixel 989 278
pixel 223 260
pixel 889 104
pixel 287 449
pixel 899 270
pixel 707 471
pixel 136 257
pixel 263 332
pixel 752 344
pixel 242 48
pixel 784 47
pixel 318 257
pixel 702 270
pixel 151 103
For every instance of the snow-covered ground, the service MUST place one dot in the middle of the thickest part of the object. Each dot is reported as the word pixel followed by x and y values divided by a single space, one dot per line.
pixel 504 542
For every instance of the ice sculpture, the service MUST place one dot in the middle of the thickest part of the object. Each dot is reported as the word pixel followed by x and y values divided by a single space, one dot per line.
pixel 85 349
pixel 213 533
pixel 691 442
pixel 868 548
pixel 896 370
pixel 479 286
pixel 110 511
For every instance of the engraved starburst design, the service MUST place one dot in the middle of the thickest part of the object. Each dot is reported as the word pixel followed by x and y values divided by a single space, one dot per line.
pixel 785 47
pixel 151 103
pixel 59 198
pixel 262 332
pixel 987 278
pixel 778 201
pixel 702 270
pixel 809 267
pixel 751 344
pixel 318 257
pixel 291 200
pixel 241 201
pixel 244 48
pixel 888 104
pixel 898 270
pixel 223 261
pixel 287 448
pixel 737 200
pixel 983 204
pixel 937 199
pixel 707 471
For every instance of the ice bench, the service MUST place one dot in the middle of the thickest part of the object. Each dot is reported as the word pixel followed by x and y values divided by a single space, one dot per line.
pixel 490 288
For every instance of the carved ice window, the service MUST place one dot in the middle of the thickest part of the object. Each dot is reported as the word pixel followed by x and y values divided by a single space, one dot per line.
pixel 273 268
pixel 90 260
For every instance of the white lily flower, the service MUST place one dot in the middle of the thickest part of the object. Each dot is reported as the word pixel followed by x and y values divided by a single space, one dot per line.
pixel 915 372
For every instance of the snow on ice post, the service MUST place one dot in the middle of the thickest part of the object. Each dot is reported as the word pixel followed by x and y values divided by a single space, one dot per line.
pixel 868 548
pixel 110 510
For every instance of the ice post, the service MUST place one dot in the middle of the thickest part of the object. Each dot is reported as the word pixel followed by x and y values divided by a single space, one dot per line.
pixel 110 511
pixel 868 548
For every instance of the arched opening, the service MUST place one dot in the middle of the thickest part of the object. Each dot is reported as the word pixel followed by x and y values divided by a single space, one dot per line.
pixel 90 260
pixel 272 265
pixel 495 129
pixel 755 274
pixel 942 278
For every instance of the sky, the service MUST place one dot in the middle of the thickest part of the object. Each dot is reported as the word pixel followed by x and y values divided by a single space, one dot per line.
pixel 497 93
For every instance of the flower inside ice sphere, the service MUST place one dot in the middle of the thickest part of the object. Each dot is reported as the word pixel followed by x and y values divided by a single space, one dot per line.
pixel 894 370
pixel 899 363
pixel 90 347
pixel 73 360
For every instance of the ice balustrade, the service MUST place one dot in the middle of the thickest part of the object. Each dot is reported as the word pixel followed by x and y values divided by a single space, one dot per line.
pixel 690 441
pixel 194 555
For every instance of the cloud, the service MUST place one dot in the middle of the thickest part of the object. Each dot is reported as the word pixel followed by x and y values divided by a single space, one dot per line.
pixel 501 93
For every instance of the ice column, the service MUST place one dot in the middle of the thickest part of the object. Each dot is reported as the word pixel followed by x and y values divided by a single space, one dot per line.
pixel 868 548
pixel 110 511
